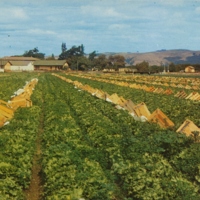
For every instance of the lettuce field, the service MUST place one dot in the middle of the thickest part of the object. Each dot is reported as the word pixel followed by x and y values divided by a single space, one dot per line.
pixel 71 145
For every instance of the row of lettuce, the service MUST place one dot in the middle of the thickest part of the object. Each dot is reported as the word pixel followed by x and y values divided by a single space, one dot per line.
pixel 17 142
pixel 178 110
pixel 10 83
pixel 91 150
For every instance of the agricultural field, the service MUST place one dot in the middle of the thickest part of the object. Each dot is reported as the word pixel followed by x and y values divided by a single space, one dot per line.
pixel 72 145
pixel 176 107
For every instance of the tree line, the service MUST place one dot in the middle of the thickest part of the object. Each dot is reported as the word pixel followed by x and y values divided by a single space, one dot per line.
pixel 78 60
pixel 144 67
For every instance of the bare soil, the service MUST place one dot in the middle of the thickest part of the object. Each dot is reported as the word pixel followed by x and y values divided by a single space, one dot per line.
pixel 34 192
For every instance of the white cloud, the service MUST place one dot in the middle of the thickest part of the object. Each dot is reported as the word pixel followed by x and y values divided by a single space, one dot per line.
pixel 19 13
pixel 106 25
pixel 100 11
pixel 171 2
pixel 197 10
pixel 13 13
pixel 40 32
pixel 122 27
pixel 110 12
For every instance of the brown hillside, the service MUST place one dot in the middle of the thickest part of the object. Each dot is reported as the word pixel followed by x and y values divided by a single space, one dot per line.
pixel 162 57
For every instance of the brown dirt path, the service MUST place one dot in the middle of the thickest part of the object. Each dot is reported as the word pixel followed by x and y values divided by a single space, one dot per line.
pixel 35 189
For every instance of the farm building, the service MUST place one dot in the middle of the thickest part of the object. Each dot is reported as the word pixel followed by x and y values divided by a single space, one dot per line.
pixel 2 64
pixel 189 69
pixel 16 63
pixel 50 65
pixel 18 58
pixel 19 66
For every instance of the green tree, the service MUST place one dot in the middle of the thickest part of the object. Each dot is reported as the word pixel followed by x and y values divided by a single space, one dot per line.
pixel 172 67
pixel 143 67
pixel 63 47
pixel 74 51
pixel 116 61
pixel 178 68
pixel 92 55
pixel 83 63
pixel 154 69
pixel 74 57
pixel 81 49
pixel 34 53
pixel 101 62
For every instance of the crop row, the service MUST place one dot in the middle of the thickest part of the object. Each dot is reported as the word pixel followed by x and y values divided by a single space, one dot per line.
pixel 9 84
pixel 93 151
pixel 176 82
pixel 70 162
pixel 149 87
pixel 178 110
pixel 17 142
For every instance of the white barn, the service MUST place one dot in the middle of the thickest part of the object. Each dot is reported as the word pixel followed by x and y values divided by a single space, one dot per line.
pixel 19 66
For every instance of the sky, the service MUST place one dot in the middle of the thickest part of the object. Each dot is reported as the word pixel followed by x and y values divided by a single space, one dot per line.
pixel 100 25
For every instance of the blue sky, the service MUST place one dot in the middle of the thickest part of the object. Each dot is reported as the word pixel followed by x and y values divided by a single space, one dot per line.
pixel 101 25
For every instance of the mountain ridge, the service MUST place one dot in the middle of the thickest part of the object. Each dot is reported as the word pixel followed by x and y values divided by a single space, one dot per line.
pixel 160 57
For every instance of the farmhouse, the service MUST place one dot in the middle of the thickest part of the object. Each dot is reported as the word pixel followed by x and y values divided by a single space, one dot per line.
pixel 189 69
pixel 19 66
pixel 16 63
pixel 50 65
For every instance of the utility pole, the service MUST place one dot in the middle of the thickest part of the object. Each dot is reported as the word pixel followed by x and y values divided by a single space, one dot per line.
pixel 164 69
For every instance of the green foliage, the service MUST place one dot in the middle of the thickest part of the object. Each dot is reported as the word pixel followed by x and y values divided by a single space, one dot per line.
pixel 34 53
pixel 143 66
pixel 75 57
pixel 11 83
pixel 187 161
pixel 74 51
pixel 72 164
pixel 83 63
pixel 92 55
pixel 100 62
pixel 152 177
pixel 91 150
pixel 116 61
pixel 155 69
pixel 172 67
pixel 9 189
pixel 177 112
pixel 17 141
pixel 63 47
pixel 144 159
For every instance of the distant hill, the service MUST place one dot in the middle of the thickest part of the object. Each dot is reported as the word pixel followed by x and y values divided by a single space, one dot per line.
pixel 179 56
